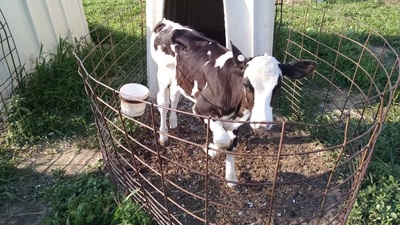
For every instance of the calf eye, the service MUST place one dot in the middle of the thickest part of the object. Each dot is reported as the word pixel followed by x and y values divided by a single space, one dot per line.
pixel 275 92
pixel 274 97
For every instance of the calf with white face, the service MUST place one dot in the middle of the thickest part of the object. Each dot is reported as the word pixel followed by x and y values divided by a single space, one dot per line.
pixel 223 84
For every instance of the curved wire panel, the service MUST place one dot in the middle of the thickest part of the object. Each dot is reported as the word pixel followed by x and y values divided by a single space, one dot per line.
pixel 307 169
pixel 10 66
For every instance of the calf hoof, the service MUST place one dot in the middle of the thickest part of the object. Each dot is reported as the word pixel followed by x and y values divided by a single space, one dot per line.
pixel 235 187
pixel 164 143
pixel 211 153
pixel 173 124
pixel 173 120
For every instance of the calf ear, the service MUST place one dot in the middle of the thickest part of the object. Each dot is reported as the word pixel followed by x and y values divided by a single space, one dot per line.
pixel 238 56
pixel 298 69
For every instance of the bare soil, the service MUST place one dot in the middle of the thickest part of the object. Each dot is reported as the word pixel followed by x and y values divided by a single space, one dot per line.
pixel 61 155
pixel 302 176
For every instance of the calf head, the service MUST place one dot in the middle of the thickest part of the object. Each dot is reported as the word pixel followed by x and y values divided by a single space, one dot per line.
pixel 262 78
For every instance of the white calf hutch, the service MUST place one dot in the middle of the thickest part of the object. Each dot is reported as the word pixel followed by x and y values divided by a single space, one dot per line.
pixel 250 24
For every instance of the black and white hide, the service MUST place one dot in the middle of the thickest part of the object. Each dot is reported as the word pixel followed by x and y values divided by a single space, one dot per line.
pixel 222 84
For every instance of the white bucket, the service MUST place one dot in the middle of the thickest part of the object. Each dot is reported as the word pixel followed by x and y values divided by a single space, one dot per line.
pixel 129 95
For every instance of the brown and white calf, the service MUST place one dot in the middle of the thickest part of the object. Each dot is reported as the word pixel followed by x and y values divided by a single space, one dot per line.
pixel 223 84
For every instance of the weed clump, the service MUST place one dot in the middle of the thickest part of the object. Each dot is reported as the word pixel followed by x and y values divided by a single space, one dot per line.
pixel 378 202
pixel 89 198
pixel 50 102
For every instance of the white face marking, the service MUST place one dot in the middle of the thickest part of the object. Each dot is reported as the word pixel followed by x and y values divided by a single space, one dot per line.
pixel 220 62
pixel 208 53
pixel 195 88
pixel 263 73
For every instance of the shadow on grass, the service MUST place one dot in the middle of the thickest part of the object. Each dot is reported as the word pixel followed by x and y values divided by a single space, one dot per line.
pixel 19 189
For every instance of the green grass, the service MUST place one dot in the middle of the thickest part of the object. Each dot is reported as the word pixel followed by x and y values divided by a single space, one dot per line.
pixel 89 198
pixel 378 19
pixel 378 16
pixel 379 200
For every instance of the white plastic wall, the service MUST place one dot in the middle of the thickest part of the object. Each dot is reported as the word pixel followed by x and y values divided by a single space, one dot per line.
pixel 249 24
pixel 34 23
pixel 37 22
pixel 154 13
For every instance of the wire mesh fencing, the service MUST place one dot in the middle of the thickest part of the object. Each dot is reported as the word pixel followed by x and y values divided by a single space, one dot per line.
pixel 10 66
pixel 307 169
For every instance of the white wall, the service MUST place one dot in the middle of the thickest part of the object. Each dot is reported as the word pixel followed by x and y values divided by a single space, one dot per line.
pixel 36 22
pixel 154 13
pixel 249 24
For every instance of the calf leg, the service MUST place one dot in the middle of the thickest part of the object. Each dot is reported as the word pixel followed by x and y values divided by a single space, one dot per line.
pixel 230 172
pixel 221 138
pixel 224 140
pixel 163 101
pixel 175 95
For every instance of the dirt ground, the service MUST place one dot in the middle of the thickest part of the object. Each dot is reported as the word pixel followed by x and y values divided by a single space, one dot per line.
pixel 28 209
pixel 302 176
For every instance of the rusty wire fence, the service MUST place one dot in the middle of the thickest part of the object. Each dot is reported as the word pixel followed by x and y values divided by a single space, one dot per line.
pixel 10 67
pixel 307 169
